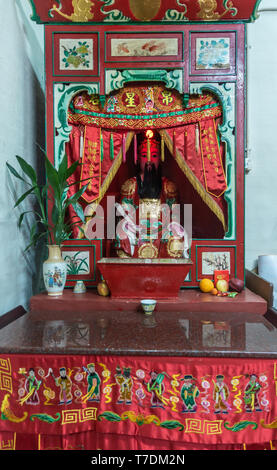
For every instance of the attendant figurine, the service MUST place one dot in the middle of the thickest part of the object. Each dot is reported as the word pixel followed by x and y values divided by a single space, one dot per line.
pixel 189 393
pixel 32 386
pixel 251 393
pixel 220 396
pixel 94 381
pixel 65 385
pixel 156 387
pixel 125 383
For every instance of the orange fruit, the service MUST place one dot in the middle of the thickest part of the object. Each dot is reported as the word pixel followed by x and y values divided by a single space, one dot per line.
pixel 214 291
pixel 206 285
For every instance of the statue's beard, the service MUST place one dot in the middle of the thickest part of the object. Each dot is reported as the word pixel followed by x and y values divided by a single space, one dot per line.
pixel 151 186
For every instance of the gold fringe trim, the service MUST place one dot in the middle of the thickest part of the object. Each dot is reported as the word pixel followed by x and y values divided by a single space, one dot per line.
pixel 193 180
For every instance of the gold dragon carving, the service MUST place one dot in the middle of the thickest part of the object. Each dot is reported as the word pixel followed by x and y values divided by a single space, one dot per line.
pixel 81 11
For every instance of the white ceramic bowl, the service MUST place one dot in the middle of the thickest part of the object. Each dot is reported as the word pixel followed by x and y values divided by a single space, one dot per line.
pixel 148 305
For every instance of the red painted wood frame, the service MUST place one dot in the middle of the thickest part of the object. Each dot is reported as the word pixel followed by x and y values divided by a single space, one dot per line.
pixel 235 74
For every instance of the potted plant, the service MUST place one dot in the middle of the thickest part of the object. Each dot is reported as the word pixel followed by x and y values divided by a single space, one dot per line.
pixel 50 215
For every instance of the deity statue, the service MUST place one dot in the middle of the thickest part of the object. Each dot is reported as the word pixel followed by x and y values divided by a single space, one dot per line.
pixel 150 198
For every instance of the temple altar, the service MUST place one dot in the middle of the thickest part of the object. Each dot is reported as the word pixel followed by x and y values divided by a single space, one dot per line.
pixel 149 98
pixel 171 381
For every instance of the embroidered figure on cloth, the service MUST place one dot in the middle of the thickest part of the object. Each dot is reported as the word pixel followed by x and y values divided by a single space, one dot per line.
pixel 251 394
pixel 65 385
pixel 220 396
pixel 94 381
pixel 156 387
pixel 31 386
pixel 189 393
pixel 125 384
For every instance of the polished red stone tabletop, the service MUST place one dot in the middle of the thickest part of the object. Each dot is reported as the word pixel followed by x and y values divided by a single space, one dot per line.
pixel 172 333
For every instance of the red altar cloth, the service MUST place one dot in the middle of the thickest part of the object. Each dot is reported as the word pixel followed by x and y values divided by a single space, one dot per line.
pixel 137 403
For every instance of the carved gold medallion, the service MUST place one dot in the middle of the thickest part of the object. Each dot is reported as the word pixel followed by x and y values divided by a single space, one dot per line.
pixel 145 10
pixel 147 251
pixel 175 247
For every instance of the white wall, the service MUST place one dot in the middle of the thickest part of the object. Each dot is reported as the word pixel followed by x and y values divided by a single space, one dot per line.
pixel 261 181
pixel 21 126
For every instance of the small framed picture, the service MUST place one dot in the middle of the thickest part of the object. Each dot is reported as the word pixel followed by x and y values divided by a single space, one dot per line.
pixel 75 54
pixel 81 257
pixel 213 53
pixel 215 258
pixel 137 47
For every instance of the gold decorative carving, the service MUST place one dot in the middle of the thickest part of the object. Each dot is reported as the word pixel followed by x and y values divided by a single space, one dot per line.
pixel 208 9
pixel 122 254
pixel 149 208
pixel 148 250
pixel 175 247
pixel 81 11
pixel 145 10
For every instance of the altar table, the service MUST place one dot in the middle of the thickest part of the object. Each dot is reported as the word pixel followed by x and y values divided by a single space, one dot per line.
pixel 122 380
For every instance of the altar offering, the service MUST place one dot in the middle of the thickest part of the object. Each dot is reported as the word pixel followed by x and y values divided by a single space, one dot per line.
pixel 79 287
pixel 221 275
pixel 144 278
pixel 148 306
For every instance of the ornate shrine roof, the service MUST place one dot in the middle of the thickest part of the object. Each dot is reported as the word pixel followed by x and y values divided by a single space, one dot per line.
pixel 143 11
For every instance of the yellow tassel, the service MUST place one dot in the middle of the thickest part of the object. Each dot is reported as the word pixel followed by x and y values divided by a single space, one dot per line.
pixel 162 148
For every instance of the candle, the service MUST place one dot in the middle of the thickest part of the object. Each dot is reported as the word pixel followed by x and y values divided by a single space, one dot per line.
pixel 162 148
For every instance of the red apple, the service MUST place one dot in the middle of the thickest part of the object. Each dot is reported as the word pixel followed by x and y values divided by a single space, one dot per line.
pixel 236 284
pixel 222 285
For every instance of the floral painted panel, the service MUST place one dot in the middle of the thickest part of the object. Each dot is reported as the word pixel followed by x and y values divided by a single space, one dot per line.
pixel 212 53
pixel 76 54
pixel 77 262
pixel 215 260
pixel 144 47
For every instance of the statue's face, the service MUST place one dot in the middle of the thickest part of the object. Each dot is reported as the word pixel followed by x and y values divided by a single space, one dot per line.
pixel 154 157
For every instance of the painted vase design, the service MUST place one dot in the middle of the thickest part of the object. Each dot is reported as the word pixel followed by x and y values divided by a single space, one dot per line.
pixel 54 271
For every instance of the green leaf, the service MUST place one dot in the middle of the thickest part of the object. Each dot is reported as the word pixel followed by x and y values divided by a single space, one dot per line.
pixel 55 214
pixel 24 196
pixel 45 417
pixel 73 199
pixel 79 211
pixel 70 170
pixel 21 217
pixel 172 424
pixel 15 173
pixel 62 170
pixel 28 169
pixel 53 177
pixel 110 416
pixel 240 425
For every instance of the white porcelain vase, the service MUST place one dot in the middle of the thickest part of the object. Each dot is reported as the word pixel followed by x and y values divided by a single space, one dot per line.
pixel 54 271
